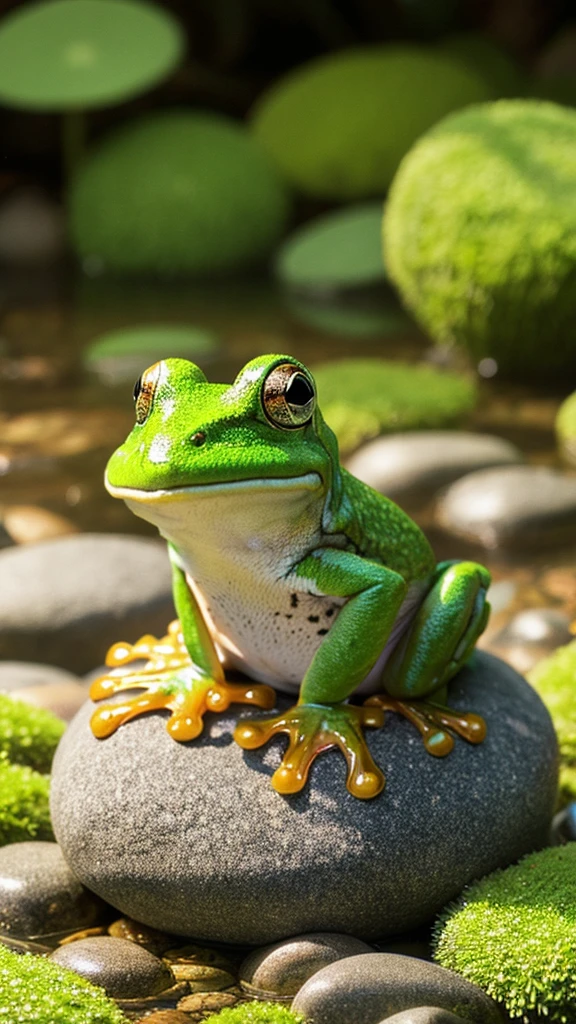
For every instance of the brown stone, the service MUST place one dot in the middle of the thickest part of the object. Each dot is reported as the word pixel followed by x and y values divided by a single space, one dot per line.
pixel 213 1001
pixel 154 941
pixel 165 1017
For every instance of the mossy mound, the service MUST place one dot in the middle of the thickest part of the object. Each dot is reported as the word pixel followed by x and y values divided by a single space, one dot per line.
pixel 480 233
pixel 338 126
pixel 566 428
pixel 28 735
pixel 24 808
pixel 361 398
pixel 513 933
pixel 35 989
pixel 553 678
pixel 177 193
pixel 256 1013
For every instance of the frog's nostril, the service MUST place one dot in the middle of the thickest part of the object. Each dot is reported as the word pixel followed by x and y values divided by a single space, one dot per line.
pixel 198 438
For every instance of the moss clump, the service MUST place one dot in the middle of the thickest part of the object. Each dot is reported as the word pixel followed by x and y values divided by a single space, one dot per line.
pixel 480 233
pixel 338 126
pixel 566 428
pixel 177 193
pixel 553 678
pixel 513 933
pixel 361 398
pixel 24 807
pixel 256 1013
pixel 38 990
pixel 28 735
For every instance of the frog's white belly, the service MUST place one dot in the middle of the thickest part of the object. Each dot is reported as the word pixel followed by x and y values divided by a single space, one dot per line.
pixel 238 551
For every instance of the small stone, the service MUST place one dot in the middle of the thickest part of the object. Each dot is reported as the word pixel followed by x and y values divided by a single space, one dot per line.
pixel 202 978
pixel 409 468
pixel 154 941
pixel 165 1017
pixel 65 601
pixel 28 524
pixel 512 506
pixel 201 1001
pixel 39 894
pixel 282 969
pixel 32 228
pixel 374 986
pixel 44 686
pixel 530 636
pixel 424 1015
pixel 124 969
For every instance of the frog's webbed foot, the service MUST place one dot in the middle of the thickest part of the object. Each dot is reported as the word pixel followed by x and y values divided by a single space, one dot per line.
pixel 170 681
pixel 435 723
pixel 313 728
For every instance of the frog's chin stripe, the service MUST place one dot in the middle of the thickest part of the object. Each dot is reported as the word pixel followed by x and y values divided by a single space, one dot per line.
pixel 309 482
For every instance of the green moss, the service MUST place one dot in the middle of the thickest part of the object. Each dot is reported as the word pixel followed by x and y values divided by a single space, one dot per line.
pixel 33 989
pixel 339 125
pixel 28 735
pixel 24 809
pixel 256 1013
pixel 361 398
pixel 480 233
pixel 566 428
pixel 513 933
pixel 177 192
pixel 553 678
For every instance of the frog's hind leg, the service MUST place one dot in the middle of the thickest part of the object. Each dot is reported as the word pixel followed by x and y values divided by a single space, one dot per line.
pixel 434 648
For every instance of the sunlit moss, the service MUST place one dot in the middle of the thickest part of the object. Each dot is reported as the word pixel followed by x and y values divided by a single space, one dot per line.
pixel 34 990
pixel 28 735
pixel 256 1013
pixel 566 428
pixel 513 933
pixel 553 678
pixel 24 808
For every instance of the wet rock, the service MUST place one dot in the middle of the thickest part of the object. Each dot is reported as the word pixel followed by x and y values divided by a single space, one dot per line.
pixel 44 686
pixel 201 1002
pixel 411 467
pixel 165 1017
pixel 203 977
pixel 282 969
pixel 66 601
pixel 369 988
pixel 39 894
pixel 513 506
pixel 182 817
pixel 424 1015
pixel 32 228
pixel 29 524
pixel 154 941
pixel 122 968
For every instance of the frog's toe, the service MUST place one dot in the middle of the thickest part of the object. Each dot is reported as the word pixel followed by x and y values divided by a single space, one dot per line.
pixel 435 724
pixel 107 719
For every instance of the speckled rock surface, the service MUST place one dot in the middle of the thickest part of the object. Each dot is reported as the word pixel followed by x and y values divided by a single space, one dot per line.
pixel 410 467
pixel 369 988
pixel 192 839
pixel 123 969
pixel 282 969
pixel 423 1015
pixel 511 506
pixel 39 893
pixel 66 601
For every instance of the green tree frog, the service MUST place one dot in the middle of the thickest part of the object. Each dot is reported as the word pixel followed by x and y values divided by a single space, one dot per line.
pixel 288 569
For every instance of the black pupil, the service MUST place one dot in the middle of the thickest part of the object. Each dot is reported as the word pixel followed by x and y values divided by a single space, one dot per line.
pixel 299 391
pixel 137 388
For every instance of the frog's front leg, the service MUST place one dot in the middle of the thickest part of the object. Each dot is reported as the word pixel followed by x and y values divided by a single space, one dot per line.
pixel 322 719
pixel 434 648
pixel 182 674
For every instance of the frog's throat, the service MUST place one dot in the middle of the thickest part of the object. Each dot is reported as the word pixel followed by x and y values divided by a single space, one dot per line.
pixel 307 482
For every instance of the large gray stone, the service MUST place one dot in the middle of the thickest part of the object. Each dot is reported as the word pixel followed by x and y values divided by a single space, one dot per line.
pixel 192 839
pixel 66 601
pixel 368 988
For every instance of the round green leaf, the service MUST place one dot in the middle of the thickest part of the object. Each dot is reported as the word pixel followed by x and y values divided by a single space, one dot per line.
pixel 68 54
pixel 122 355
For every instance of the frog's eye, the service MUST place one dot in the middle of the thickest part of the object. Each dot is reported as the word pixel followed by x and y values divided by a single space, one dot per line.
pixel 144 389
pixel 288 396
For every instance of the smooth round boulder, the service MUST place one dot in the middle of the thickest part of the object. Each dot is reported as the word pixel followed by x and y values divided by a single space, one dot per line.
pixel 282 969
pixel 372 986
pixel 122 968
pixel 191 839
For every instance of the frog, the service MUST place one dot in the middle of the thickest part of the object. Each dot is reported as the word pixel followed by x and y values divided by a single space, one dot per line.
pixel 289 574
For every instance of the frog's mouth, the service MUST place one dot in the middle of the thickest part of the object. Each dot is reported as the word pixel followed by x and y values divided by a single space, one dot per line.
pixel 306 482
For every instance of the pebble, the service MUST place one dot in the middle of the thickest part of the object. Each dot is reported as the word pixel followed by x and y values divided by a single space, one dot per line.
pixel 65 601
pixel 531 635
pixel 29 524
pixel 303 863
pixel 123 969
pixel 32 228
pixel 39 894
pixel 424 1015
pixel 154 941
pixel 409 468
pixel 373 986
pixel 201 1002
pixel 282 969
pixel 512 506
pixel 165 1017
pixel 44 686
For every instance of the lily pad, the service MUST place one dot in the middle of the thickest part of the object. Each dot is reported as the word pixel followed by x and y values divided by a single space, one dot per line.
pixel 339 250
pixel 70 54
pixel 351 321
pixel 124 354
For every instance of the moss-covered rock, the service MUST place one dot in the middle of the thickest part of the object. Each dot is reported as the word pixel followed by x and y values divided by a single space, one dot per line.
pixel 177 192
pixel 480 233
pixel 24 810
pixel 35 989
pixel 554 679
pixel 361 398
pixel 566 428
pixel 256 1013
pixel 339 125
pixel 28 735
pixel 513 933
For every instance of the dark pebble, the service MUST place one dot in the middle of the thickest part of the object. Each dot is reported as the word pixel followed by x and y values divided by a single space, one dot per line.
pixel 124 969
